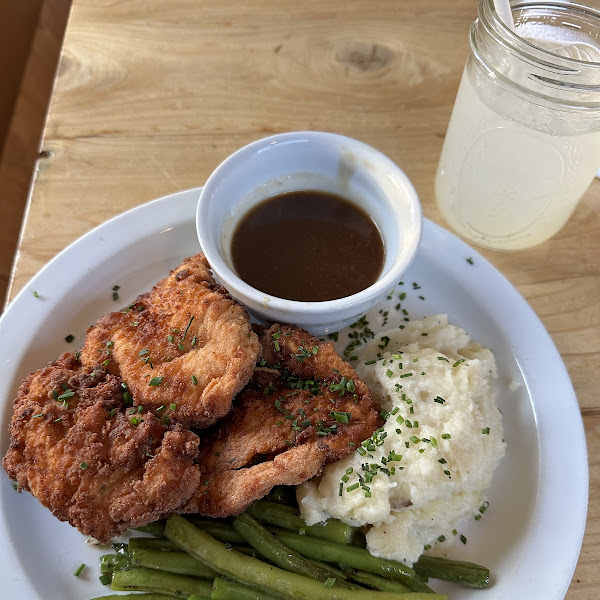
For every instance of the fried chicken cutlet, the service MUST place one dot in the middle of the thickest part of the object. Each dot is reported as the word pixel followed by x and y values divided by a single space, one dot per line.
pixel 303 408
pixel 186 348
pixel 94 463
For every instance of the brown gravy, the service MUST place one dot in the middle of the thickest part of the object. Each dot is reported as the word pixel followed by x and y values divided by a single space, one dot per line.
pixel 308 246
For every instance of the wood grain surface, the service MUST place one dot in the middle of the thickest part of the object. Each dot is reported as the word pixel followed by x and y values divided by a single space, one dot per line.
pixel 152 94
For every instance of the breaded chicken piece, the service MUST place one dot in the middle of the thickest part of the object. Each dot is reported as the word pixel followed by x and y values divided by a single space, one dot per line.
pixel 304 407
pixel 186 348
pixel 92 462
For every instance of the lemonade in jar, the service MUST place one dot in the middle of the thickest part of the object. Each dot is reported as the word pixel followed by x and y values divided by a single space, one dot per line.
pixel 523 142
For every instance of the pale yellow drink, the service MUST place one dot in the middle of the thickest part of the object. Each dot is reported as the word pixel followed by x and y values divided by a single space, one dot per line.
pixel 513 167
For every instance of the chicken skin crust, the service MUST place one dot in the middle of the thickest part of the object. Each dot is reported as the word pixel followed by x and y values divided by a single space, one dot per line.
pixel 303 408
pixel 90 460
pixel 186 348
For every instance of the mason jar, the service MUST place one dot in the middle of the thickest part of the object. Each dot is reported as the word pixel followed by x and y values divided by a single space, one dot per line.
pixel 523 142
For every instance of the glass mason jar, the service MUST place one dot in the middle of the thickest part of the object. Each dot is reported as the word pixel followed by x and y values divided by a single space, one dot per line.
pixel 523 142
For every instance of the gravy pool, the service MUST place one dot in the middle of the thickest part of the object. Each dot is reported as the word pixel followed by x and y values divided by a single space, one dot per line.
pixel 309 246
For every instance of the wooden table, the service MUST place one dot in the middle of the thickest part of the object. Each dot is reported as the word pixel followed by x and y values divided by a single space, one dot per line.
pixel 152 94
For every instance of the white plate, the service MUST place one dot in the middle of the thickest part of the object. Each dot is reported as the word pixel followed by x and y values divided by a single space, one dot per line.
pixel 531 534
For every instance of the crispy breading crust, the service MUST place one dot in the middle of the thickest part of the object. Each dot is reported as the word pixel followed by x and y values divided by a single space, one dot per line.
pixel 187 336
pixel 283 429
pixel 74 448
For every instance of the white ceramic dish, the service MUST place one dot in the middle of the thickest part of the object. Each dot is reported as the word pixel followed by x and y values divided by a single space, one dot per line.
pixel 310 160
pixel 531 534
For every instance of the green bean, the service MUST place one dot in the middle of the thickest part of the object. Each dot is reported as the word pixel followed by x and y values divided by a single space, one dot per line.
pixel 352 556
pixel 273 550
pixel 289 518
pixel 148 543
pixel 378 582
pixel 334 571
pixel 229 590
pixel 174 562
pixel 149 596
pixel 156 528
pixel 269 578
pixel 220 530
pixel 109 563
pixel 149 580
pixel 456 571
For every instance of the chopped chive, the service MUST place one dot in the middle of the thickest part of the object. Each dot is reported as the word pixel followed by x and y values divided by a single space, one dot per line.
pixel 79 569
pixel 173 406
pixel 36 294
pixel 155 381
pixel 194 380
pixel 485 431
pixel 69 338
pixel 115 296
pixel 188 326
pixel 144 352
pixel 83 465
pixel 67 394
pixel 329 582
pixel 341 417
pixel 470 261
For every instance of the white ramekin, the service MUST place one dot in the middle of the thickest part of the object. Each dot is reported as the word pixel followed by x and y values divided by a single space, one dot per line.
pixel 313 161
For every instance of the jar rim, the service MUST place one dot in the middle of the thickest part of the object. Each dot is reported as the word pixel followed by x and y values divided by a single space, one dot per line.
pixel 493 22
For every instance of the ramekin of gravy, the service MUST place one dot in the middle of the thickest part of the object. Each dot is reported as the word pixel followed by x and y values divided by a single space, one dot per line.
pixel 309 228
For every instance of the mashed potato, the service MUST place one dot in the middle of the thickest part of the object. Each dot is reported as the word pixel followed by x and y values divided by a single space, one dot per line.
pixel 430 464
